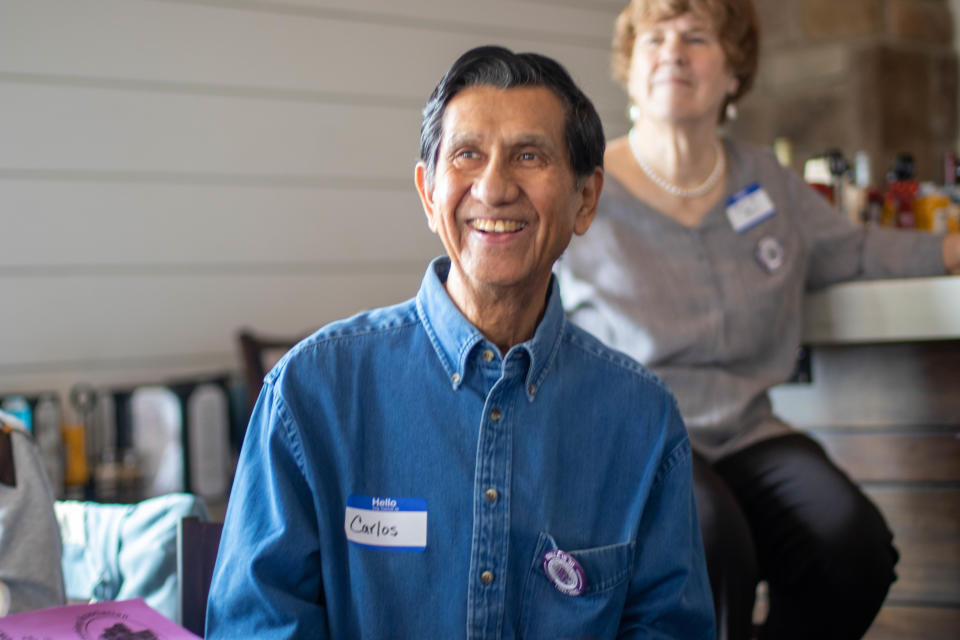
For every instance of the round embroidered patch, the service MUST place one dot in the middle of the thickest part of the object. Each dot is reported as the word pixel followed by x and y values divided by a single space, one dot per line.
pixel 770 253
pixel 564 572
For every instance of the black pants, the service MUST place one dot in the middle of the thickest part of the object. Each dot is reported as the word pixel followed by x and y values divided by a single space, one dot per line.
pixel 781 511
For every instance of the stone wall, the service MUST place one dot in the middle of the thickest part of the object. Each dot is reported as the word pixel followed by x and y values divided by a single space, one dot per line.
pixel 872 75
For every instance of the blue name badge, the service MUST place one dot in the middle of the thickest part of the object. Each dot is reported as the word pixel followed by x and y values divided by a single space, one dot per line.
pixel 749 207
pixel 387 524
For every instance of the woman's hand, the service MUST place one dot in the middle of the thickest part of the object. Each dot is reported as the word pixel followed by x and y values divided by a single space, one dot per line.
pixel 951 253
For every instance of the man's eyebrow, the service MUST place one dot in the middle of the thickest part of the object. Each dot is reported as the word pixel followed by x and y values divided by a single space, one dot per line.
pixel 466 138
pixel 460 138
pixel 532 140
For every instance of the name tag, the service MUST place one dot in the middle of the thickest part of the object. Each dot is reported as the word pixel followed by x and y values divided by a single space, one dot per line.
pixel 388 524
pixel 749 207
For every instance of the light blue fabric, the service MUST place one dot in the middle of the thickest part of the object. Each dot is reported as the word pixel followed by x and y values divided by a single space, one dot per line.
pixel 586 451
pixel 123 551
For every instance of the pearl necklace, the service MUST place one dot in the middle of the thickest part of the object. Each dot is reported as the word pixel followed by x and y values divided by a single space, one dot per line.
pixel 669 187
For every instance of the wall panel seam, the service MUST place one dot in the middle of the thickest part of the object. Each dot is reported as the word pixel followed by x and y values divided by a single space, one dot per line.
pixel 402 21
pixel 613 7
pixel 216 359
pixel 364 268
pixel 316 181
pixel 230 91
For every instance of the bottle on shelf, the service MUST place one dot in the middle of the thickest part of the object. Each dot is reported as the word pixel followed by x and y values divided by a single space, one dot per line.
pixel 951 184
pixel 77 445
pixel 839 170
pixel 951 169
pixel 49 437
pixel 783 149
pixel 931 208
pixel 867 205
pixel 832 175
pixel 816 173
pixel 902 188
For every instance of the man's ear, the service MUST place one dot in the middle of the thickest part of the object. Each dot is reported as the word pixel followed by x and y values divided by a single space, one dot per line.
pixel 590 188
pixel 426 194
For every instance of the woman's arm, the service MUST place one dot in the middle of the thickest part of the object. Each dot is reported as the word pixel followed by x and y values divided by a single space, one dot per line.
pixel 951 253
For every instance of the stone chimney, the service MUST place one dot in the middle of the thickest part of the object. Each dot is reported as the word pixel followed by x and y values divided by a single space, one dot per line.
pixel 872 75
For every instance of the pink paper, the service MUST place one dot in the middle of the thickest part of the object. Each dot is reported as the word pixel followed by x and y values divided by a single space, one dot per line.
pixel 123 620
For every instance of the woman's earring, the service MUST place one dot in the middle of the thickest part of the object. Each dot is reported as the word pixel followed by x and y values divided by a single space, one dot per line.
pixel 633 113
pixel 731 111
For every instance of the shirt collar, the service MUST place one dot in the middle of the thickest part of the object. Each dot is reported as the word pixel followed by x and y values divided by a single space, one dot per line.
pixel 453 336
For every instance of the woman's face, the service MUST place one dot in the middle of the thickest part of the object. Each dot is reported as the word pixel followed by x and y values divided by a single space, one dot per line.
pixel 678 71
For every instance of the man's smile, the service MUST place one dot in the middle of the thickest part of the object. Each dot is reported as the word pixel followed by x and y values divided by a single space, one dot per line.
pixel 489 225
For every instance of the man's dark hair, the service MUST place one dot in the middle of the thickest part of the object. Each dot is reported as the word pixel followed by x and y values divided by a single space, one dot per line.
pixel 504 69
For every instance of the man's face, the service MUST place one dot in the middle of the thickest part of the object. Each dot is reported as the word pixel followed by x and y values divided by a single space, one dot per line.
pixel 504 199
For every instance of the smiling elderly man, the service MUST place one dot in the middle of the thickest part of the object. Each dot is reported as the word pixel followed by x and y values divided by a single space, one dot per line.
pixel 468 463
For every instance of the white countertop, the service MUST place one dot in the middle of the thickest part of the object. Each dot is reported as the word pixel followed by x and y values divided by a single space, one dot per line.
pixel 884 311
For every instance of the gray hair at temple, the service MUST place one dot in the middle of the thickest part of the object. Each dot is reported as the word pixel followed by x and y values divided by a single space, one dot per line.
pixel 504 69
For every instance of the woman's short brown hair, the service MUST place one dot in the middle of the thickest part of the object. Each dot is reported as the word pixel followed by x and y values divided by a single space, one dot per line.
pixel 735 22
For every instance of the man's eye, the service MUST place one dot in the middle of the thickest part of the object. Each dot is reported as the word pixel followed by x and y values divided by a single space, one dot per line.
pixel 467 155
pixel 528 156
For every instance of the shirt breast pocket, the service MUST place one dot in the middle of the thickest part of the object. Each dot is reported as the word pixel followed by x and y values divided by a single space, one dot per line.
pixel 548 613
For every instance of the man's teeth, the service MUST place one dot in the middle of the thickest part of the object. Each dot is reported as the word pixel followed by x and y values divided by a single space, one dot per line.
pixel 496 226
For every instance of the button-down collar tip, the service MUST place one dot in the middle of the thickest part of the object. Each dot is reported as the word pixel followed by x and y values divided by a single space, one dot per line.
pixel 455 379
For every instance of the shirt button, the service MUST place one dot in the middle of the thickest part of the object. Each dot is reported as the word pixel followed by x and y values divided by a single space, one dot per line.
pixel 487 355
pixel 486 577
pixel 532 389
pixel 491 495
pixel 495 415
pixel 455 377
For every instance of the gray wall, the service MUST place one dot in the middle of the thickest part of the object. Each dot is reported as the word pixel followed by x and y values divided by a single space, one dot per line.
pixel 172 170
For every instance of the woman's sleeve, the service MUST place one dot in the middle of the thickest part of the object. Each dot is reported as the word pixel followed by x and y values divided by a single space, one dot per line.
pixel 839 250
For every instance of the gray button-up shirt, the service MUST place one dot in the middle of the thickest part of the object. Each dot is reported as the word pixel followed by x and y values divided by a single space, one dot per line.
pixel 716 312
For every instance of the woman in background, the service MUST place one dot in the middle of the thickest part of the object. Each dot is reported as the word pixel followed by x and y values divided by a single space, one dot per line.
pixel 697 265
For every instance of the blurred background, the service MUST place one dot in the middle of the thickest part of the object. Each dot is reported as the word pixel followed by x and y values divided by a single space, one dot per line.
pixel 174 171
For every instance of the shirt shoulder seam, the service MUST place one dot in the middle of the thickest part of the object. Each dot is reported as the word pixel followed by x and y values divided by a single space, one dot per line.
pixel 290 433
pixel 587 343
pixel 672 460
pixel 331 334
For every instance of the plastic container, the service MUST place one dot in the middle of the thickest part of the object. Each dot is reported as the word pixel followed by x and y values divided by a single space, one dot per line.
pixel 19 407
pixel 47 431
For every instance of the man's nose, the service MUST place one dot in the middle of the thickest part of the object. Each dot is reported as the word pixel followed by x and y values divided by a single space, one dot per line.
pixel 497 184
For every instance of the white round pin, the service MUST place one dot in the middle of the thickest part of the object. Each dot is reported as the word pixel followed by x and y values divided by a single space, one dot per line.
pixel 564 572
pixel 770 253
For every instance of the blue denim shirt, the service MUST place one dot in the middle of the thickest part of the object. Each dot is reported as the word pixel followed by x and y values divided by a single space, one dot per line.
pixel 560 444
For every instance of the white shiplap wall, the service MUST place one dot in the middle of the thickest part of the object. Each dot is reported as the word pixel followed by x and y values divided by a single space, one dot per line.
pixel 172 170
